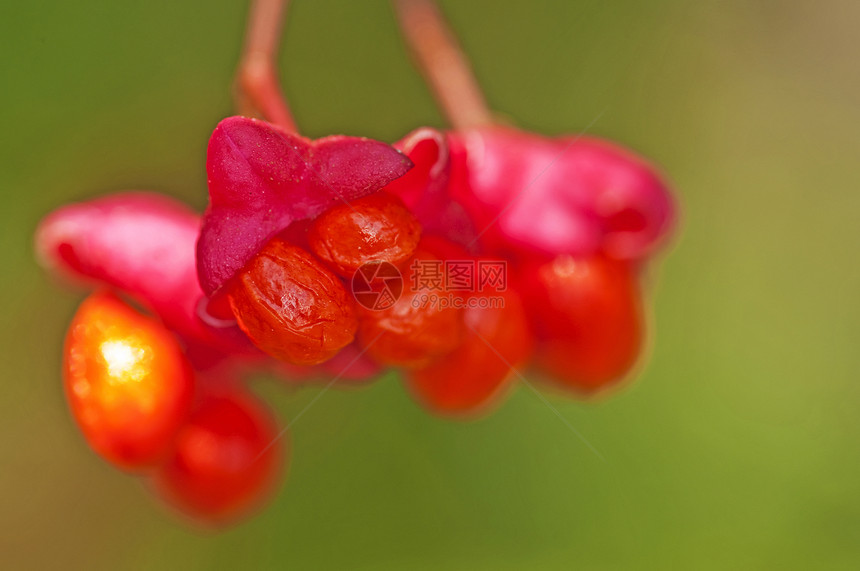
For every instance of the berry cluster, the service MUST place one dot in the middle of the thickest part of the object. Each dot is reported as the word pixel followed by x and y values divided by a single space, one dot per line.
pixel 161 395
pixel 573 296
pixel 276 275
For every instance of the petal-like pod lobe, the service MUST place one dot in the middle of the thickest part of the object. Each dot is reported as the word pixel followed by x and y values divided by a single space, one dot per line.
pixel 558 196
pixel 137 242
pixel 262 178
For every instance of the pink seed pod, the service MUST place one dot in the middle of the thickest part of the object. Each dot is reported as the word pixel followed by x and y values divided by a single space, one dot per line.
pixel 508 192
pixel 139 243
pixel 566 195
pixel 262 178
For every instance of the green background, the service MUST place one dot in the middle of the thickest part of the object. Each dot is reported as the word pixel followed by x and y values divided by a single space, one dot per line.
pixel 736 448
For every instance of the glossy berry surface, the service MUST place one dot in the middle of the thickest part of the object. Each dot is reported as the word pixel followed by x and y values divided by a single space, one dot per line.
pixel 496 344
pixel 410 333
pixel 222 464
pixel 376 228
pixel 413 331
pixel 291 306
pixel 588 316
pixel 127 382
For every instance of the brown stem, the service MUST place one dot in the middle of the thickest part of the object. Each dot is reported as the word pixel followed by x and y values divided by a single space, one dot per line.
pixel 443 63
pixel 258 91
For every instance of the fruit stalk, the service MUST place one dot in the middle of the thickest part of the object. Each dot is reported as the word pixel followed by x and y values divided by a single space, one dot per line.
pixel 445 67
pixel 258 91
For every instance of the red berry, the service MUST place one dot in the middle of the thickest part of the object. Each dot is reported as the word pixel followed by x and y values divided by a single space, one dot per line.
pixel 127 382
pixel 411 333
pixel 496 344
pixel 587 314
pixel 291 306
pixel 376 228
pixel 226 459
pixel 418 328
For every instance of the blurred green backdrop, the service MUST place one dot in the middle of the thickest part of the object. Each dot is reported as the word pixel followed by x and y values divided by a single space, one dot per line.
pixel 738 446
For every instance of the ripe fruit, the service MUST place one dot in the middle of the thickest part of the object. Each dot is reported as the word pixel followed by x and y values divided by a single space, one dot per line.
pixel 419 327
pixel 496 343
pixel 291 306
pixel 410 333
pixel 127 382
pixel 587 314
pixel 376 228
pixel 222 464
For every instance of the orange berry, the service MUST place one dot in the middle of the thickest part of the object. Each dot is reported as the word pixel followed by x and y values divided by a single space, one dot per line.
pixel 418 328
pixel 127 381
pixel 497 343
pixel 587 313
pixel 376 228
pixel 225 461
pixel 291 306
